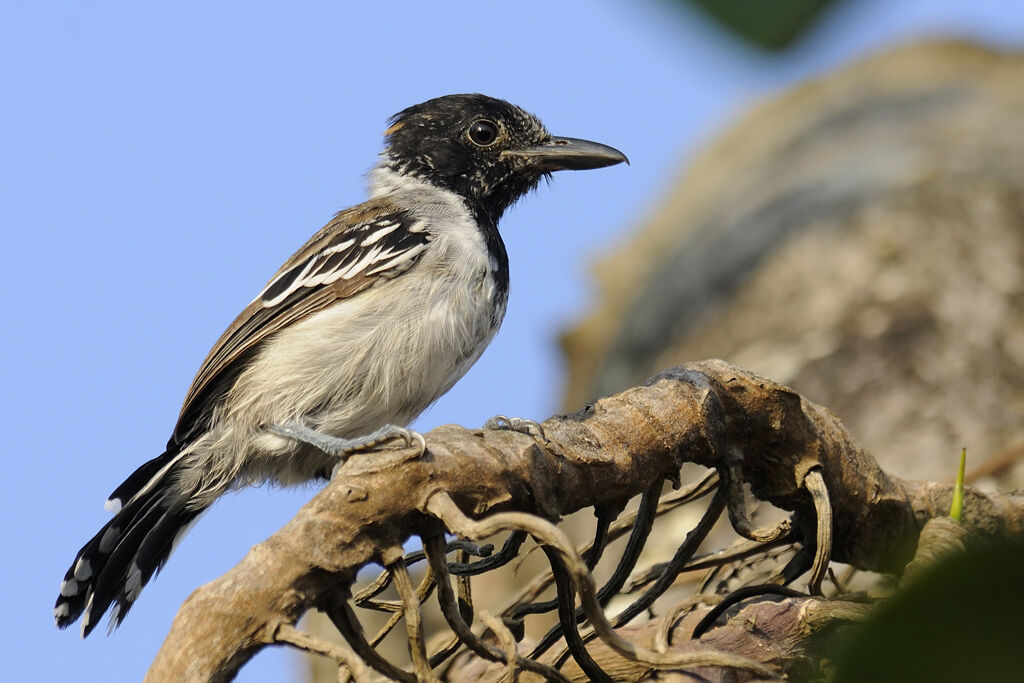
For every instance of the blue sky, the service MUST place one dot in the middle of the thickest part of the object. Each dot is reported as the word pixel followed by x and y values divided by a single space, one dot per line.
pixel 160 161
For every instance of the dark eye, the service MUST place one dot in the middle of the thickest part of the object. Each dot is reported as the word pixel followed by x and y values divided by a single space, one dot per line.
pixel 483 133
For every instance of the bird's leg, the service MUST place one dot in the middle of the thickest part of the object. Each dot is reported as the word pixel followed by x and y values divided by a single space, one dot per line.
pixel 342 448
pixel 516 424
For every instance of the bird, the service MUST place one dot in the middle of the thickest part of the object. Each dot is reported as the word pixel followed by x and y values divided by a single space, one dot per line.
pixel 375 317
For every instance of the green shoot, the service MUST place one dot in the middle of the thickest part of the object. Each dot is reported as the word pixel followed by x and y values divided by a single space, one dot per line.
pixel 956 510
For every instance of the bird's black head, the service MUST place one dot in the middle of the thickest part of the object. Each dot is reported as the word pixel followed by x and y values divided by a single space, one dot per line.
pixel 484 149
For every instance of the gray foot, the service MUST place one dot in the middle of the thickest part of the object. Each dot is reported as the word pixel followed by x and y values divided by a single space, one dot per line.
pixel 342 448
pixel 516 424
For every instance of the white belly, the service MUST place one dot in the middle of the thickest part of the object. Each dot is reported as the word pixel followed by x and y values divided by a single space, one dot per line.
pixel 379 357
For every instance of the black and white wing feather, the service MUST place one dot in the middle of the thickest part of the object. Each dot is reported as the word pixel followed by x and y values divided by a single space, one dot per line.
pixel 360 247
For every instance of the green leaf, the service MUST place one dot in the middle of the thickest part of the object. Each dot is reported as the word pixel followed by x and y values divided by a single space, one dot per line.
pixel 772 25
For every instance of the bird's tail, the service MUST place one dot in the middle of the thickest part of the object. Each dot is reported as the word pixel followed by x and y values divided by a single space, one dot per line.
pixel 149 519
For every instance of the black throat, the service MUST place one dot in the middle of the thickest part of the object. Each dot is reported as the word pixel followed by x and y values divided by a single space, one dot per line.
pixel 488 227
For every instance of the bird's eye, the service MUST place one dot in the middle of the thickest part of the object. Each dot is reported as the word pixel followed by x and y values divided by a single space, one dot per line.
pixel 483 133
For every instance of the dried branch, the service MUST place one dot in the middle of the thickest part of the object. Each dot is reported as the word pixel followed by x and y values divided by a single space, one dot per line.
pixel 422 592
pixel 349 627
pixel 554 538
pixel 508 642
pixel 673 567
pixel 815 484
pixel 446 598
pixel 344 656
pixel 413 620
pixel 611 451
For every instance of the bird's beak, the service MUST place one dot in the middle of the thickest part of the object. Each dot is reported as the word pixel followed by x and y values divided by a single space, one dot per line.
pixel 572 154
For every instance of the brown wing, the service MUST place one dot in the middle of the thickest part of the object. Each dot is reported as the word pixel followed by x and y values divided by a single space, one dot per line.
pixel 359 247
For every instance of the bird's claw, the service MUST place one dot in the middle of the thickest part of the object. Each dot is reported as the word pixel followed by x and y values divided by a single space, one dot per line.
pixel 517 424
pixel 411 437
pixel 408 437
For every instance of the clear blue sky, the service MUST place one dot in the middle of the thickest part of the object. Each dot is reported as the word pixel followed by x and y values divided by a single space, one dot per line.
pixel 159 161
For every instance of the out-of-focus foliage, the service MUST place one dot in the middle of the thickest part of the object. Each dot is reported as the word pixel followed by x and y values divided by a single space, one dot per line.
pixel 959 622
pixel 773 25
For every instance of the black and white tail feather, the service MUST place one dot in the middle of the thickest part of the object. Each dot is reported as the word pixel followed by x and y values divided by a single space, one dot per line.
pixel 155 507
pixel 112 568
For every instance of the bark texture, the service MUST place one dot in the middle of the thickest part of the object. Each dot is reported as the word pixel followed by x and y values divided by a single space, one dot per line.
pixel 859 238
pixel 711 413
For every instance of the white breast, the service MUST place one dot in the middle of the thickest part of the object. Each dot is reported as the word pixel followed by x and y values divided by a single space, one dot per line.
pixel 387 353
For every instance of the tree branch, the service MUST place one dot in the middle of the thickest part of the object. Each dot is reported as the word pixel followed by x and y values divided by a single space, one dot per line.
pixel 710 413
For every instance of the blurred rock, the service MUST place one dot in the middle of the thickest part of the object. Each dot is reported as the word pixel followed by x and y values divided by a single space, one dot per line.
pixel 860 238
